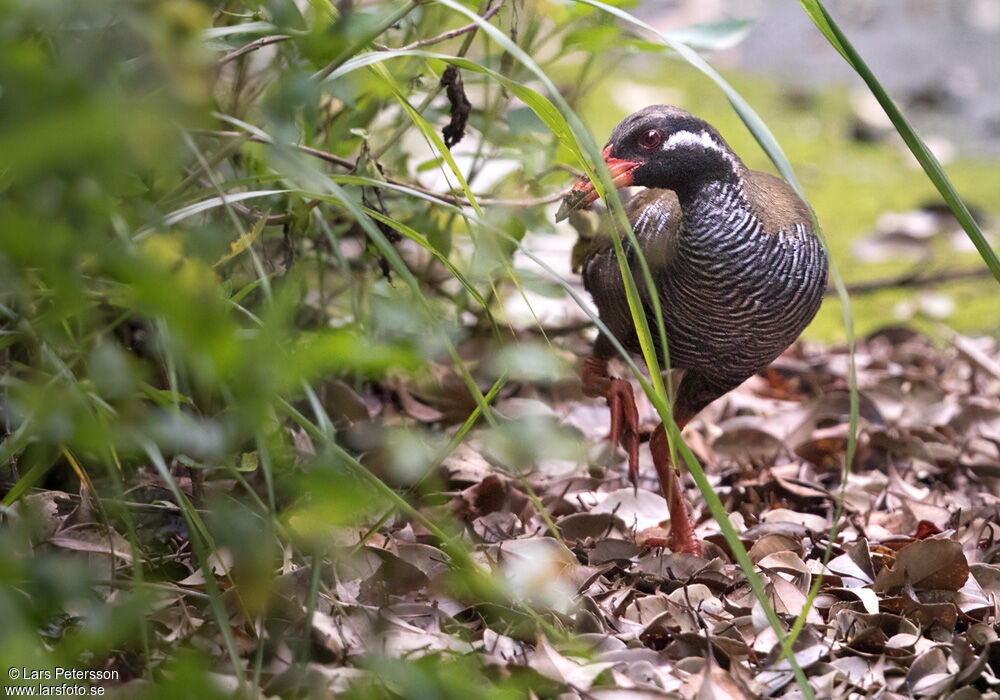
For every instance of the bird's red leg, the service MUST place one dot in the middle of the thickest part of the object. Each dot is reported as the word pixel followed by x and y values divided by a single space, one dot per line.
pixel 682 536
pixel 621 401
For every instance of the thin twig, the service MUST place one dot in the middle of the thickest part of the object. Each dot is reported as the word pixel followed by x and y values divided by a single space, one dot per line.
pixel 912 279
pixel 349 164
pixel 444 36
pixel 270 220
pixel 128 584
pixel 252 46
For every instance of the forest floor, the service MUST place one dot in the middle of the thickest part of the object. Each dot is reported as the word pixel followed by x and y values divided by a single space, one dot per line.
pixel 908 597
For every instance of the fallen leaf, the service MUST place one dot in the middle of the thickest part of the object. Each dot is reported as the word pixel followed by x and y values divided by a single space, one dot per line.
pixel 926 565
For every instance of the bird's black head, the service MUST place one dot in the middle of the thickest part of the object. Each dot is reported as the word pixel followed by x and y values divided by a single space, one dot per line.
pixel 671 149
pixel 661 146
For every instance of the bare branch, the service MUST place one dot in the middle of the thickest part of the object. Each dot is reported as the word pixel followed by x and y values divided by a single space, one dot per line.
pixel 450 34
pixel 913 280
pixel 349 164
pixel 252 46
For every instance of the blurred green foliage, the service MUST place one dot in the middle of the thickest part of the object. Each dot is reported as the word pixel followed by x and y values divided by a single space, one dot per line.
pixel 155 337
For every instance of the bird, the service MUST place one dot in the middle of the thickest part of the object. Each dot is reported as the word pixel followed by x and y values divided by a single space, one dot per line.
pixel 736 263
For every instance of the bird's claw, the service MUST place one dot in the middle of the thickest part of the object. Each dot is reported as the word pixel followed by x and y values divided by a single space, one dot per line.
pixel 625 424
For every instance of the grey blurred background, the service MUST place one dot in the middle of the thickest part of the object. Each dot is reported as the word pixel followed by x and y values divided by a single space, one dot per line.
pixel 939 58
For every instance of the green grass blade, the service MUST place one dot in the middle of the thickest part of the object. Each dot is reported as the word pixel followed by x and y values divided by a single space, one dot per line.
pixel 367 38
pixel 439 459
pixel 480 581
pixel 819 18
pixel 194 526
pixel 179 215
pixel 422 241
pixel 332 189
pixel 817 12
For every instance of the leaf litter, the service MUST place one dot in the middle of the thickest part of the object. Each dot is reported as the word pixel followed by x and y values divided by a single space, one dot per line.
pixel 587 603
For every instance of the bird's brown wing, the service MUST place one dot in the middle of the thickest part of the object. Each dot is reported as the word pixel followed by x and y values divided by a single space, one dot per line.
pixel 775 203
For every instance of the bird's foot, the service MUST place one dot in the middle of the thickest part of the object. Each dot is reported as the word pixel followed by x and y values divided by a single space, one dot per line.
pixel 625 424
pixel 621 402
pixel 682 536
pixel 673 542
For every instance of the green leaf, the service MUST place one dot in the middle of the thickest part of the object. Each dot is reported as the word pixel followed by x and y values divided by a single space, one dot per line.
pixel 591 39
pixel 245 241
pixel 343 350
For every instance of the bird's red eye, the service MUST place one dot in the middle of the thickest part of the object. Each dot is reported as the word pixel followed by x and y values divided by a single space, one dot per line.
pixel 650 139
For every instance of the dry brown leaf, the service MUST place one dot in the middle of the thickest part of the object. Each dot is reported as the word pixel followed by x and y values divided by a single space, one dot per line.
pixel 926 565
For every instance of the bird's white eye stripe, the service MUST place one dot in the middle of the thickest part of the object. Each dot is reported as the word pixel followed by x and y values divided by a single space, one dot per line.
pixel 701 138
pixel 689 138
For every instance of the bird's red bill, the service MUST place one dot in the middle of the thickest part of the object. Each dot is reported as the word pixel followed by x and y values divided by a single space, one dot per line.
pixel 583 192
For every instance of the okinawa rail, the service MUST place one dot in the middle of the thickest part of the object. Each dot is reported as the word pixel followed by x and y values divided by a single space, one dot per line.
pixel 735 261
